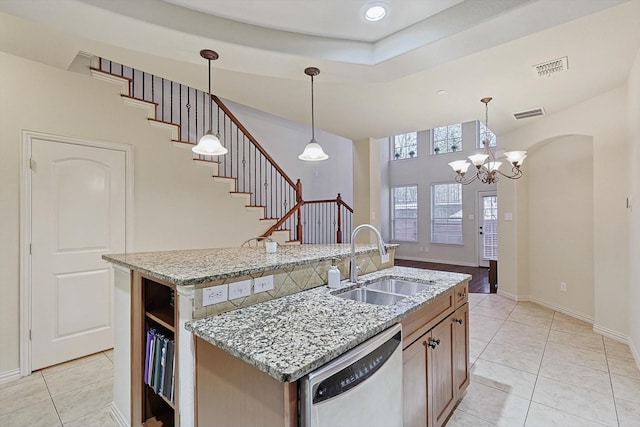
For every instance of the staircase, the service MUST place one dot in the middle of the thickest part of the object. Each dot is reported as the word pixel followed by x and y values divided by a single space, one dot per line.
pixel 250 172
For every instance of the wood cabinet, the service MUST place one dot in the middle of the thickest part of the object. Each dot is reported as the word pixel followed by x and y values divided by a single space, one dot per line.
pixel 153 308
pixel 436 364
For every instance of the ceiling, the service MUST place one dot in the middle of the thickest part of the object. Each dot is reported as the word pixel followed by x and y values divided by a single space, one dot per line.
pixel 375 80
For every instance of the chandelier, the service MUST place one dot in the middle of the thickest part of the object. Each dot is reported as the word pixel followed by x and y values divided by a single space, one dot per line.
pixel 313 151
pixel 487 168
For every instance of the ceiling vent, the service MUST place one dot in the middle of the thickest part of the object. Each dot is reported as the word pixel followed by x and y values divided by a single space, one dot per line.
pixel 530 113
pixel 546 69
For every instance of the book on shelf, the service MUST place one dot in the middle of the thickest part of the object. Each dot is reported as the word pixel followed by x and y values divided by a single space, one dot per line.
pixel 159 362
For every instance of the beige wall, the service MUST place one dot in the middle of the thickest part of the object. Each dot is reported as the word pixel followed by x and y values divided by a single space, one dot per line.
pixel 176 203
pixel 604 120
pixel 633 103
pixel 366 186
pixel 561 224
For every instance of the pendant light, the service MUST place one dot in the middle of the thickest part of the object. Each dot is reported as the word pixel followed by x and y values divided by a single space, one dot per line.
pixel 313 151
pixel 209 144
pixel 487 168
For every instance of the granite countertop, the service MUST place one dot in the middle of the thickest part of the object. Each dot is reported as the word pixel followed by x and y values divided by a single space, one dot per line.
pixel 291 336
pixel 194 266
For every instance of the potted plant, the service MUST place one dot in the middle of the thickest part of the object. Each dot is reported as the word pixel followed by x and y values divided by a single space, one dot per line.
pixel 454 147
pixel 397 156
pixel 436 150
pixel 412 153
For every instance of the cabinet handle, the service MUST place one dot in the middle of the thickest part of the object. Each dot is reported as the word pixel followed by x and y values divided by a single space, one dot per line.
pixel 458 321
pixel 432 344
pixel 437 341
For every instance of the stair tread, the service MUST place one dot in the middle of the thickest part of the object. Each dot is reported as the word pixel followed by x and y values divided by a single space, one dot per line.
pixel 226 177
pixel 163 122
pixel 205 160
pixel 183 142
pixel 111 74
pixel 142 100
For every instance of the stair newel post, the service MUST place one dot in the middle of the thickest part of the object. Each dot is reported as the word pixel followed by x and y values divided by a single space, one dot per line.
pixel 339 230
pixel 299 200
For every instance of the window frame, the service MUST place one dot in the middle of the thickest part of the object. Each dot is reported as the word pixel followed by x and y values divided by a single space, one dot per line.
pixel 479 135
pixel 433 219
pixel 448 142
pixel 393 217
pixel 404 154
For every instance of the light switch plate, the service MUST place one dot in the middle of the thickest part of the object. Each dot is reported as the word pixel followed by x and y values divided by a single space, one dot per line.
pixel 384 258
pixel 262 284
pixel 239 289
pixel 214 294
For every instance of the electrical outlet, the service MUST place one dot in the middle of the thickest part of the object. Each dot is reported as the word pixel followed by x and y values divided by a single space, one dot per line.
pixel 262 284
pixel 384 258
pixel 563 287
pixel 214 294
pixel 239 289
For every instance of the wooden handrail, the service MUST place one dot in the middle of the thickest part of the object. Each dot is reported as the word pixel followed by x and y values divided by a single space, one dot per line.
pixel 244 130
pixel 282 220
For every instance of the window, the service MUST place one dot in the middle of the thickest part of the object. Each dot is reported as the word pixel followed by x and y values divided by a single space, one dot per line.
pixel 485 133
pixel 405 146
pixel 446 139
pixel 404 213
pixel 446 213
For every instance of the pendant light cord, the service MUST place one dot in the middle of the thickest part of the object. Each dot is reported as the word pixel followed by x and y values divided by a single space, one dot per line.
pixel 313 133
pixel 210 100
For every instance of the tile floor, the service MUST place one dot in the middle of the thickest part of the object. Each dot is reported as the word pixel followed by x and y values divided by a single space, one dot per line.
pixel 72 394
pixel 532 367
pixel 536 367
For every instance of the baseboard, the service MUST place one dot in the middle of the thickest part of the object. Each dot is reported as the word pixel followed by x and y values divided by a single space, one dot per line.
pixel 511 296
pixel 614 335
pixel 436 261
pixel 562 310
pixel 117 416
pixel 11 375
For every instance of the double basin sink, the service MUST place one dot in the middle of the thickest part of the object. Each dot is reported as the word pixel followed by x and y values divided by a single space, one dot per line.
pixel 387 291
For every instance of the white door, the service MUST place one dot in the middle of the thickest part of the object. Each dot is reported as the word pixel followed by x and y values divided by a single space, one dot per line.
pixel 78 214
pixel 487 227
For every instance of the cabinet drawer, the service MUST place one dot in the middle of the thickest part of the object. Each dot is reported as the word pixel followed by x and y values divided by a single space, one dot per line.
pixel 418 323
pixel 462 293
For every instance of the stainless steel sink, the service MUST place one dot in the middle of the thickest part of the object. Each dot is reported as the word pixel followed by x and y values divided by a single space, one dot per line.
pixel 370 296
pixel 397 286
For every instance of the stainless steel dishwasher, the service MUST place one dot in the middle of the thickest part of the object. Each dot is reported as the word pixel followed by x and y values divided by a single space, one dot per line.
pixel 361 388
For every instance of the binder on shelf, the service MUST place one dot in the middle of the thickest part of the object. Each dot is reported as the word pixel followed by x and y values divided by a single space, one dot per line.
pixel 167 383
pixel 160 362
pixel 150 335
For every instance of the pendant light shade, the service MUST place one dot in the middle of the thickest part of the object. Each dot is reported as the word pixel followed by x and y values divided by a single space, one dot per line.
pixel 209 144
pixel 313 152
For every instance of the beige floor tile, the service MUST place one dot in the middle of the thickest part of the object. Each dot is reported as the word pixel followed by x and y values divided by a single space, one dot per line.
pixel 576 400
pixel 617 349
pixel 101 418
pixel 84 401
pixel 494 406
pixel 514 358
pixel 589 358
pixel 78 376
pixel 569 373
pixel 495 312
pixel 462 419
pixel 41 414
pixel 522 337
pixel 624 367
pixel 494 300
pixel 572 326
pixel 589 342
pixel 109 354
pixel 476 347
pixel 482 327
pixel 530 319
pixel 33 377
pixel 72 363
pixel 628 413
pixel 22 395
pixel 626 388
pixel 544 416
pixel 504 378
pixel 533 309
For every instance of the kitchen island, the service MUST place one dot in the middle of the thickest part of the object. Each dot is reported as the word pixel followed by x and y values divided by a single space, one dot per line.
pixel 282 334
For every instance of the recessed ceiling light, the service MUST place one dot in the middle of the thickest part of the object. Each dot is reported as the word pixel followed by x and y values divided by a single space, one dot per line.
pixel 375 11
pixel 441 92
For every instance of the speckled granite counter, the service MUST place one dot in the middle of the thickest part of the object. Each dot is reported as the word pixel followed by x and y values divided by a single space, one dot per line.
pixel 290 336
pixel 195 266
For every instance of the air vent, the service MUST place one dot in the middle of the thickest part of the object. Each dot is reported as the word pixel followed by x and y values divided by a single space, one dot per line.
pixel 548 68
pixel 530 113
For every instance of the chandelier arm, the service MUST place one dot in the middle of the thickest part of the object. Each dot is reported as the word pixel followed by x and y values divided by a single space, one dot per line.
pixel 517 173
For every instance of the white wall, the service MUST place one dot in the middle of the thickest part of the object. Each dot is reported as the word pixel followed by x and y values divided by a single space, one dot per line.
pixel 560 212
pixel 284 141
pixel 633 103
pixel 176 203
pixel 425 170
pixel 604 118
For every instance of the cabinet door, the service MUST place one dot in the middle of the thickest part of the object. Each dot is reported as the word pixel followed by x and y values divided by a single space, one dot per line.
pixel 440 368
pixel 460 321
pixel 414 383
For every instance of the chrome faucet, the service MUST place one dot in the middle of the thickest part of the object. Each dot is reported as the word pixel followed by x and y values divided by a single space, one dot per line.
pixel 381 249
